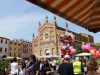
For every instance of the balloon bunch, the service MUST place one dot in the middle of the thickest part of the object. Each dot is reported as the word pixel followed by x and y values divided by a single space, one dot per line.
pixel 86 47
pixel 67 41
pixel 93 51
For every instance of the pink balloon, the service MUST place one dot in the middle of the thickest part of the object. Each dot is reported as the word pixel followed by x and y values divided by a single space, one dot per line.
pixel 93 48
pixel 88 46
pixel 71 53
pixel 72 50
pixel 71 47
pixel 64 47
pixel 83 47
pixel 63 52
pixel 99 49
pixel 73 40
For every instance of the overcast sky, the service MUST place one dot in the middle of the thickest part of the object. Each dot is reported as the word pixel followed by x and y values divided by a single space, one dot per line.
pixel 20 19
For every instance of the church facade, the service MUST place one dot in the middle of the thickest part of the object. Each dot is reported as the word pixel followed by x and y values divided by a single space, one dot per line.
pixel 47 44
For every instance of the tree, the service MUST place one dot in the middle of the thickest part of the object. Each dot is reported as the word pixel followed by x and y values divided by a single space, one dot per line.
pixel 78 47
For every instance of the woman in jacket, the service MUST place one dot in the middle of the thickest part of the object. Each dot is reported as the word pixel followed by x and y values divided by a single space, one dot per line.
pixel 46 68
pixel 92 67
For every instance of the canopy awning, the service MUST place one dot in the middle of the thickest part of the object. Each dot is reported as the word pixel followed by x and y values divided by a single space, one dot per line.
pixel 83 54
pixel 49 56
pixel 85 13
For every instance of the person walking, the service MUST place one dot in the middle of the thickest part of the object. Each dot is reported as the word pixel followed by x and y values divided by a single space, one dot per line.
pixel 14 67
pixel 77 67
pixel 33 68
pixel 53 64
pixel 46 68
pixel 92 67
pixel 66 68
pixel 20 69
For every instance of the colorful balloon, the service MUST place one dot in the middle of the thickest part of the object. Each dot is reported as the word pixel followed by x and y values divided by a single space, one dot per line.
pixel 99 49
pixel 88 46
pixel 63 52
pixel 73 50
pixel 64 47
pixel 71 47
pixel 83 47
pixel 97 52
pixel 92 52
pixel 67 41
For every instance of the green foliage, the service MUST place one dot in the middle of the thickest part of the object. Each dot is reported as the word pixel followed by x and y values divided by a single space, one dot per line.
pixel 78 47
pixel 98 61
pixel 97 47
pixel 3 63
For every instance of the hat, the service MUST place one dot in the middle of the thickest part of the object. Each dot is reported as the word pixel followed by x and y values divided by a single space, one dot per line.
pixel 67 57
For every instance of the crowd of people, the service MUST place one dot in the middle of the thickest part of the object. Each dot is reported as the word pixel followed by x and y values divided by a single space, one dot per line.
pixel 31 66
pixel 78 66
pixel 68 66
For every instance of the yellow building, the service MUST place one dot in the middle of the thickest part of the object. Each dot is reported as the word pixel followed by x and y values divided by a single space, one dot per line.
pixel 15 48
pixel 46 44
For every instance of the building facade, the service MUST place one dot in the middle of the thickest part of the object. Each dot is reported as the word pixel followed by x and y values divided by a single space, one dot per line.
pixel 4 46
pixel 26 48
pixel 46 44
pixel 15 48
pixel 88 37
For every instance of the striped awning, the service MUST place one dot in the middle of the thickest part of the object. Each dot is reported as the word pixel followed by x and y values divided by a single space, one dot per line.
pixel 85 13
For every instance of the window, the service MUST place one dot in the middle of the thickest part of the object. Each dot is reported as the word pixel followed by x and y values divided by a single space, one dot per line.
pixel 24 50
pixel 47 52
pixel 5 49
pixel 6 42
pixel 0 49
pixel 1 40
pixel 10 54
pixel 80 39
pixel 15 43
pixel 18 44
pixel 53 51
pixel 40 52
pixel 30 45
pixel 10 42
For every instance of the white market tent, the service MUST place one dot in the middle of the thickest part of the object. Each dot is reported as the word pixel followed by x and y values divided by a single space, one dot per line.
pixel 83 54
pixel 48 56
pixel 9 58
pixel 18 58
